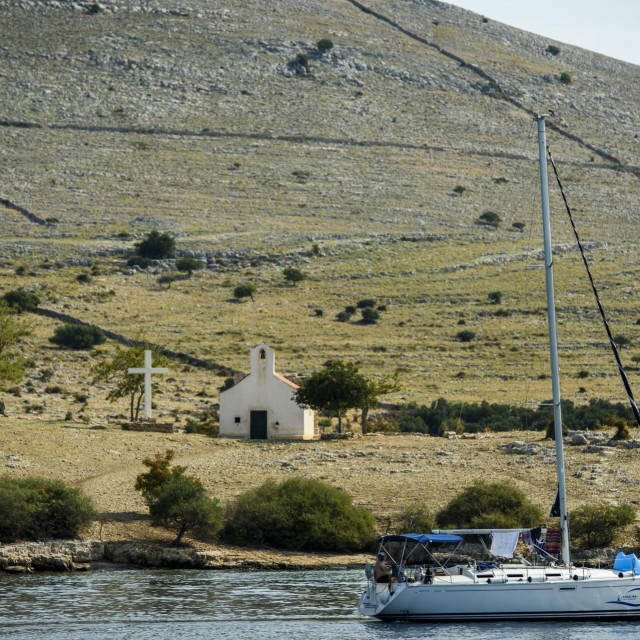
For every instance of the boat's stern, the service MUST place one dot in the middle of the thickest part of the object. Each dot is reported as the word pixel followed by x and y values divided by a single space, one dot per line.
pixel 376 597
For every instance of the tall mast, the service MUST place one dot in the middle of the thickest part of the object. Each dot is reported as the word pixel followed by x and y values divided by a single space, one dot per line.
pixel 553 343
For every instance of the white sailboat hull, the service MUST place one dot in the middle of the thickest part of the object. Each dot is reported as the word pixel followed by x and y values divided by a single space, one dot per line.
pixel 606 596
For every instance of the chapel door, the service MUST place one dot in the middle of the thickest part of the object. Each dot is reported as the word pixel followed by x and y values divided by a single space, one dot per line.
pixel 258 425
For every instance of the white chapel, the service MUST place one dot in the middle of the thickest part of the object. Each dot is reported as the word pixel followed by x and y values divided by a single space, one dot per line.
pixel 261 405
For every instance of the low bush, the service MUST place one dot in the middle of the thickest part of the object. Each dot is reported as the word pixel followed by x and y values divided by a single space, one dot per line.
pixel 566 78
pixel 416 518
pixel 495 297
pixel 77 336
pixel 366 302
pixel 206 423
pixel 465 335
pixel 343 316
pixel 459 189
pixel 244 291
pixel 299 514
pixel 350 309
pixel 318 313
pixel 83 278
pixel 412 424
pixel 622 341
pixel 39 509
pixel 369 315
pixel 189 265
pixel 518 225
pixel 597 525
pixel 486 506
pixel 490 218
pixel 550 431
pixel 157 246
pixel 324 45
pixel 138 261
pixel 293 275
pixel 21 300
pixel 553 50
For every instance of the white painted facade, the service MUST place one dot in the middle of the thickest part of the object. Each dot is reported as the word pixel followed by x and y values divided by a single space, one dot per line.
pixel 262 404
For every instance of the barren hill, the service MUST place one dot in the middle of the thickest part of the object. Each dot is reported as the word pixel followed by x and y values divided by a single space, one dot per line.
pixel 225 124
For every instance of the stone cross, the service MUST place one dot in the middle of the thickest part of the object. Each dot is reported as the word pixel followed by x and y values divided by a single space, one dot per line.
pixel 147 370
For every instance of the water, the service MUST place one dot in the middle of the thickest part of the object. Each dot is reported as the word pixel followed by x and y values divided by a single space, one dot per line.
pixel 190 605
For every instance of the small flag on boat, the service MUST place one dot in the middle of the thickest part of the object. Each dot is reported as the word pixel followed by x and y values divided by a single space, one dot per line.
pixel 555 510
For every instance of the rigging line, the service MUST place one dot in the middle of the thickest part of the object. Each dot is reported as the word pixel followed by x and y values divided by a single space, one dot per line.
pixel 614 348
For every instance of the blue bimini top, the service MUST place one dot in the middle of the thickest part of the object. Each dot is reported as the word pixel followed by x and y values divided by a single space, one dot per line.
pixel 424 538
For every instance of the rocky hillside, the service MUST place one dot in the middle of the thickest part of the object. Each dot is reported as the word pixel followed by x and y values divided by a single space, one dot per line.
pixel 226 124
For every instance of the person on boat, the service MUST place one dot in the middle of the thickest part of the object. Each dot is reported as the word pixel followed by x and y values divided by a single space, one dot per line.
pixel 381 572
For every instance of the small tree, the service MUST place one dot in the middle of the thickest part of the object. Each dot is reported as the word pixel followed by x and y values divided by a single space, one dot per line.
pixel 495 297
pixel 21 300
pixel 116 371
pixel 181 504
pixel 565 78
pixel 370 315
pixel 324 45
pixel 244 291
pixel 160 470
pixel 337 387
pixel 157 246
pixel 490 218
pixel 373 390
pixel 189 265
pixel 293 275
pixel 598 525
pixel 78 336
pixel 622 341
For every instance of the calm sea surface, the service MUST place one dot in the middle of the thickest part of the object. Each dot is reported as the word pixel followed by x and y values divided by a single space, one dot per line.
pixel 186 605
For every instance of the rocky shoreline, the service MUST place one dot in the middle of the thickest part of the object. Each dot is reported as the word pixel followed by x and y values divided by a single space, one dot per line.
pixel 73 555
pixel 76 555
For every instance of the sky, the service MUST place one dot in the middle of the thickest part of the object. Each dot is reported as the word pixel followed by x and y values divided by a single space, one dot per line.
pixel 611 27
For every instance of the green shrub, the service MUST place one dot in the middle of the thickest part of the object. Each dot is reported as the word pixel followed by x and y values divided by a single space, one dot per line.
pixel 622 341
pixel 495 297
pixel 189 265
pixel 465 335
pixel 318 313
pixel 324 45
pixel 80 397
pixel 366 302
pixel 485 506
pixel 412 424
pixel 491 218
pixel 416 518
pixel 553 50
pixel 299 514
pixel 227 384
pixel 77 336
pixel 369 315
pixel 138 261
pixel 244 291
pixel 206 423
pixel 350 309
pixel 39 509
pixel 157 246
pixel 293 275
pixel 583 374
pixel 566 78
pixel 597 525
pixel 83 278
pixel 343 316
pixel 518 225
pixel 550 432
pixel 181 504
pixel 459 189
pixel 21 300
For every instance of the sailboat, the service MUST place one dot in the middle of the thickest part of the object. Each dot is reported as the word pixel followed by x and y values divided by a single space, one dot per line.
pixel 514 591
